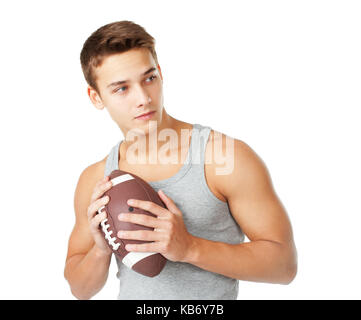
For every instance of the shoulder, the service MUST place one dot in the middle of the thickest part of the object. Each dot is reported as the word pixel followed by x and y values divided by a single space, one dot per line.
pixel 94 171
pixel 86 183
pixel 233 164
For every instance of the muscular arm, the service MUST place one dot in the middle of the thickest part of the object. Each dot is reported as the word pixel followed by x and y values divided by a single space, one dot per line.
pixel 270 256
pixel 87 266
pixel 87 273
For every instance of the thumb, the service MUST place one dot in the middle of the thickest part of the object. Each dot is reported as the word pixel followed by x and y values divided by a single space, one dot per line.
pixel 169 203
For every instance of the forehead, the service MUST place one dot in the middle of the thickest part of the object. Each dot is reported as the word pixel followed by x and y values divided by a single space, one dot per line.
pixel 125 65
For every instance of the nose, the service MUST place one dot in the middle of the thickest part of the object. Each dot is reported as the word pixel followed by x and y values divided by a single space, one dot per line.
pixel 142 96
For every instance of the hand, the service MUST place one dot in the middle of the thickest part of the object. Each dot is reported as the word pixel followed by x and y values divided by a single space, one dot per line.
pixel 170 236
pixel 94 219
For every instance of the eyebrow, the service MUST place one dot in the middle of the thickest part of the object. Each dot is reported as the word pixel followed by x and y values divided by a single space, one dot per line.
pixel 116 83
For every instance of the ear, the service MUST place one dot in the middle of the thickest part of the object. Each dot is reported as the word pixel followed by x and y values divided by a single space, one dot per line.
pixel 95 98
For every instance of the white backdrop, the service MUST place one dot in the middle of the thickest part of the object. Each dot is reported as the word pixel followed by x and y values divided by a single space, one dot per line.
pixel 283 76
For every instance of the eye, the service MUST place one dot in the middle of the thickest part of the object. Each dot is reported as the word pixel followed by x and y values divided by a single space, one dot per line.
pixel 152 77
pixel 131 209
pixel 119 90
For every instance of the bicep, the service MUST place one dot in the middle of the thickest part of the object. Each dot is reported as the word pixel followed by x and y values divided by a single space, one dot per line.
pixel 253 201
pixel 81 241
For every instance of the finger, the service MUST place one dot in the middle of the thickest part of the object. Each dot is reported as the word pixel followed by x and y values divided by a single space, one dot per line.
pixel 95 222
pixel 144 247
pixel 144 235
pixel 105 178
pixel 96 205
pixel 147 206
pixel 169 202
pixel 141 219
pixel 101 181
pixel 100 189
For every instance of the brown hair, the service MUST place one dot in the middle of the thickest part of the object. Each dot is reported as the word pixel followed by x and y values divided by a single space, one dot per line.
pixel 113 38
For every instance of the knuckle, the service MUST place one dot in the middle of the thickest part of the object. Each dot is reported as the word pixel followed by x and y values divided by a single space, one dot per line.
pixel 101 219
pixel 167 244
pixel 145 219
pixel 100 202
pixel 134 218
pixel 97 194
pixel 149 205
pixel 96 188
pixel 101 181
pixel 167 238
pixel 138 217
pixel 143 234
pixel 100 189
pixel 164 247
pixel 98 219
pixel 171 230
pixel 169 225
pixel 94 223
pixel 146 235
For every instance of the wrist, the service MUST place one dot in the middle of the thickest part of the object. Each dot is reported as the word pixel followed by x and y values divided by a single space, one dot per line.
pixel 101 253
pixel 192 252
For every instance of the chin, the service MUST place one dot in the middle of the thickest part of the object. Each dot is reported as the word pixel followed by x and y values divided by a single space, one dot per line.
pixel 145 128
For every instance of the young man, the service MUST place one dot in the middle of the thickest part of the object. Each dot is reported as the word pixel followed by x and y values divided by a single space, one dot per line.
pixel 202 230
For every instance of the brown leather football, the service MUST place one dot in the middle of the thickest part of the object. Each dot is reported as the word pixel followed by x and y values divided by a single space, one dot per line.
pixel 126 185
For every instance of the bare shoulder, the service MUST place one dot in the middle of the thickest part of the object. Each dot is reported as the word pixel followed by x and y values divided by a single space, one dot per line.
pixel 86 182
pixel 232 164
pixel 250 194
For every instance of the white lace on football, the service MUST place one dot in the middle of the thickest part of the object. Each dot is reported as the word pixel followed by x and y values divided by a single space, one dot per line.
pixel 111 240
pixel 108 233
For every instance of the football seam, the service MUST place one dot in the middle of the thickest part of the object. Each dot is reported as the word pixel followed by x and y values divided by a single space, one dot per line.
pixel 109 216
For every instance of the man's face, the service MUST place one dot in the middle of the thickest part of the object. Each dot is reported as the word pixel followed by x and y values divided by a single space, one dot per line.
pixel 140 93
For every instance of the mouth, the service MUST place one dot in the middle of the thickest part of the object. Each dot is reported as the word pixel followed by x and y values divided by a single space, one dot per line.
pixel 146 116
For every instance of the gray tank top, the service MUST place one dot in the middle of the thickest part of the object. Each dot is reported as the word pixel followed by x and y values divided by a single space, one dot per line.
pixel 205 216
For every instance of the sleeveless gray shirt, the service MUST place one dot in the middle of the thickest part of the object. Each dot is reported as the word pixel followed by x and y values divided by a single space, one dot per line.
pixel 205 216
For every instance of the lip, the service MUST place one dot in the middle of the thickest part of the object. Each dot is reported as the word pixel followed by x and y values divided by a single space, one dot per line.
pixel 145 116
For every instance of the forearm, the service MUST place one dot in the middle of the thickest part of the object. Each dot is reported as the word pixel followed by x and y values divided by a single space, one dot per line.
pixel 88 273
pixel 259 261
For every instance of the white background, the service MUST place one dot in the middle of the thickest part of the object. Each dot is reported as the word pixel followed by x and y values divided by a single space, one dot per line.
pixel 283 76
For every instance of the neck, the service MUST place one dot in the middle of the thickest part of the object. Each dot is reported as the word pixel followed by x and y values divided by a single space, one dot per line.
pixel 155 136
